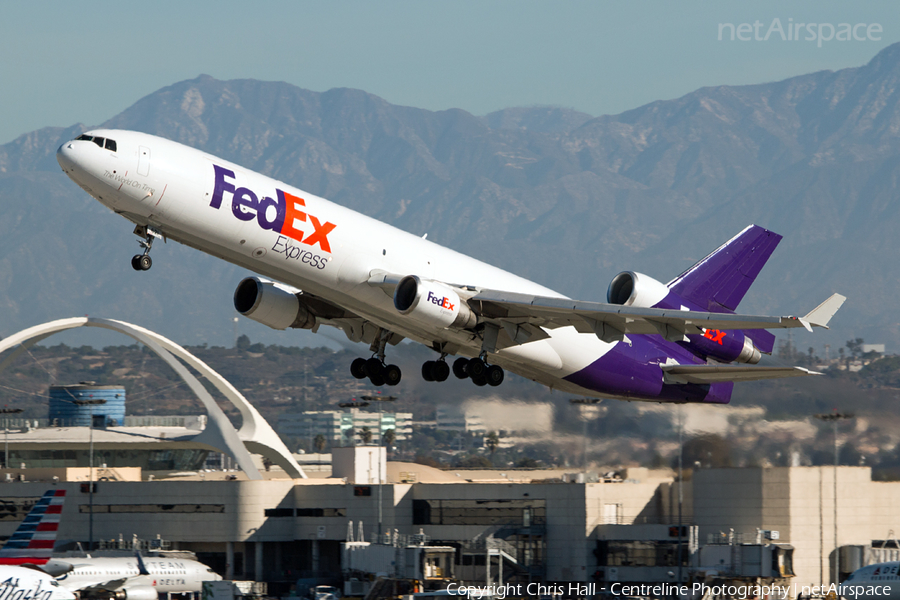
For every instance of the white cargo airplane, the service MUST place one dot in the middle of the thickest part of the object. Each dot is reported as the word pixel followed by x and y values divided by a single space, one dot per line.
pixel 674 342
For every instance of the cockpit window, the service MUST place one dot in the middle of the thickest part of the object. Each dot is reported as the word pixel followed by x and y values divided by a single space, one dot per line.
pixel 102 142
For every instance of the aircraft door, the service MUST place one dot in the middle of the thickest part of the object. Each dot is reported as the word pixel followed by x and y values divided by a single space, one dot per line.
pixel 143 161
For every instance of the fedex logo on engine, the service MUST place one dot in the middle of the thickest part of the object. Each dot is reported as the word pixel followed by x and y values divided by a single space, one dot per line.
pixel 280 214
pixel 442 302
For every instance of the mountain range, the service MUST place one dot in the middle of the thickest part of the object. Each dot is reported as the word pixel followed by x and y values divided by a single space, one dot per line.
pixel 549 193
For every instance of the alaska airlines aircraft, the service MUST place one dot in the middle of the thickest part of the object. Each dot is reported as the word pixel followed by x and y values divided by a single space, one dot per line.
pixel 323 264
pixel 30 583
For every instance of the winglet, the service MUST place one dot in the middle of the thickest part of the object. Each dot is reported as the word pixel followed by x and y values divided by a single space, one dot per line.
pixel 142 568
pixel 820 315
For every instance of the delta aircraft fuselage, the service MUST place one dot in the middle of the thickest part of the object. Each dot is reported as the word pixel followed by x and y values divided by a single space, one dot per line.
pixel 334 255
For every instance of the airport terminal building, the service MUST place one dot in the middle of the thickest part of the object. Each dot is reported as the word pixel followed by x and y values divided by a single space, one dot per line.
pixel 549 526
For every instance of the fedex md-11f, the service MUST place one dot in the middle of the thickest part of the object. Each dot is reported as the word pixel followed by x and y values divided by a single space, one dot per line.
pixel 323 264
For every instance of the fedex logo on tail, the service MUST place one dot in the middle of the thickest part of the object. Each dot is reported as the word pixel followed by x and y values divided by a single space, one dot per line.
pixel 442 302
pixel 283 214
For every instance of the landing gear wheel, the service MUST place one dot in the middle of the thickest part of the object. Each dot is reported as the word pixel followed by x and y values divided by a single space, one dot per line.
pixel 373 367
pixel 479 380
pixel 145 262
pixel 392 374
pixel 358 368
pixel 460 368
pixel 375 371
pixel 427 373
pixel 477 368
pixel 136 262
pixel 440 370
pixel 494 375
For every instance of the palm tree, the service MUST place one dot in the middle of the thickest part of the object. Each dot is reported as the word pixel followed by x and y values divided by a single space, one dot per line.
pixel 492 441
pixel 319 444
pixel 365 434
pixel 389 437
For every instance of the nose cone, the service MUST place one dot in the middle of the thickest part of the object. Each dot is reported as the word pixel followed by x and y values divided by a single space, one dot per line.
pixel 65 156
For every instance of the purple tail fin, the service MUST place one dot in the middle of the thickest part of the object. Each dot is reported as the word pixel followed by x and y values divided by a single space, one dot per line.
pixel 719 281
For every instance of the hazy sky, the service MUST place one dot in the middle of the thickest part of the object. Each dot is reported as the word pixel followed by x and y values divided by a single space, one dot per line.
pixel 71 62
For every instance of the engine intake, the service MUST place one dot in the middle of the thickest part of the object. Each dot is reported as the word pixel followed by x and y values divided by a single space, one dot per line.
pixel 267 303
pixel 635 289
pixel 432 303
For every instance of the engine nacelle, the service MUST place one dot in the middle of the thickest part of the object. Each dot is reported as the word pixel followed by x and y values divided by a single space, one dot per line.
pixel 636 289
pixel 267 303
pixel 138 592
pixel 135 592
pixel 432 303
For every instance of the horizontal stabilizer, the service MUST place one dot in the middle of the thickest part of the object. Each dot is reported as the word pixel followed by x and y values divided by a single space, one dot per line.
pixel 820 315
pixel 719 373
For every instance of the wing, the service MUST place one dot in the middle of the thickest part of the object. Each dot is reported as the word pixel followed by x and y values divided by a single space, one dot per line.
pixel 611 322
pixel 524 317
pixel 717 373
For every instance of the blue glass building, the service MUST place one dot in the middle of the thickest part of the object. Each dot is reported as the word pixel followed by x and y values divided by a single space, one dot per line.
pixel 66 413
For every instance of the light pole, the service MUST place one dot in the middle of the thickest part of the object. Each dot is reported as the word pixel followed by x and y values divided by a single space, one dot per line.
pixel 834 417
pixel 379 398
pixel 585 415
pixel 90 404
pixel 7 411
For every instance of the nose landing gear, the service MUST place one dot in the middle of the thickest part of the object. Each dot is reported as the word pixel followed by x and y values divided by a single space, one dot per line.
pixel 143 262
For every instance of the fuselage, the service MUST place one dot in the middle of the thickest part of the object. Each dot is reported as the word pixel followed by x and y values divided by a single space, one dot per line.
pixel 23 582
pixel 165 574
pixel 327 250
pixel 880 580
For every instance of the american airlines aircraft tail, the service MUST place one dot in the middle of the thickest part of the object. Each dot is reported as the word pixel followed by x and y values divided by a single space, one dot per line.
pixel 322 264
pixel 33 541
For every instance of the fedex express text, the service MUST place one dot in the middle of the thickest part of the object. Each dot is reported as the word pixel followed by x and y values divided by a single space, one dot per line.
pixel 284 213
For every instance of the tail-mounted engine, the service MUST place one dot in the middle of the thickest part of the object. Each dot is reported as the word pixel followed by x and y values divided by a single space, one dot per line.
pixel 642 291
pixel 432 303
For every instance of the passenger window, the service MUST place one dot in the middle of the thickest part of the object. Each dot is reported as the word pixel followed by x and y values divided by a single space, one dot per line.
pixel 84 137
pixel 99 141
pixel 110 144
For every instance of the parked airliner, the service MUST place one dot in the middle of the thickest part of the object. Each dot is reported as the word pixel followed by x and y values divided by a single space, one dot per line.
pixel 32 545
pixel 880 581
pixel 323 264
pixel 134 578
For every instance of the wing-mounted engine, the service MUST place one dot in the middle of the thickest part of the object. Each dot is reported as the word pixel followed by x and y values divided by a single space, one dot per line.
pixel 642 291
pixel 279 306
pixel 270 304
pixel 137 592
pixel 432 303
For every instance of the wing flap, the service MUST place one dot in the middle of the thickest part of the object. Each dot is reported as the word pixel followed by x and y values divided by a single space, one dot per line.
pixel 718 373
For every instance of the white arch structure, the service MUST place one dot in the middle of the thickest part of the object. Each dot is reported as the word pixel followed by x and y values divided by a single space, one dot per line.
pixel 255 434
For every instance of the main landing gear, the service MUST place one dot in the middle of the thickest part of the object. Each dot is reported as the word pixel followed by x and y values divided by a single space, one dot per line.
pixel 143 262
pixel 475 369
pixel 374 368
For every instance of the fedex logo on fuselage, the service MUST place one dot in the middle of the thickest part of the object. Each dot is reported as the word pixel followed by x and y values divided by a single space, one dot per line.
pixel 442 302
pixel 280 214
